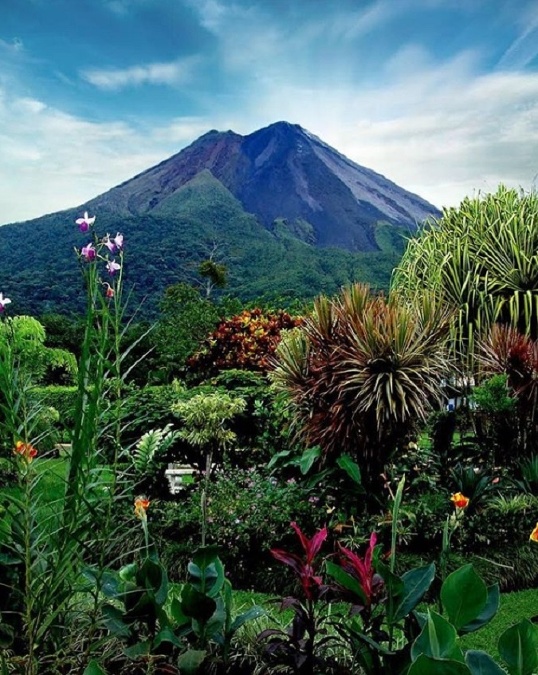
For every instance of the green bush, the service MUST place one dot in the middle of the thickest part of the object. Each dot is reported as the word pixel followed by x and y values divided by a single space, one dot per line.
pixel 63 400
pixel 248 513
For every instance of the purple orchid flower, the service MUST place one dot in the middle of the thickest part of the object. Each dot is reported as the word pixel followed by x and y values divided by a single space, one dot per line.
pixel 88 252
pixel 85 222
pixel 107 241
pixel 114 245
pixel 112 267
pixel 3 302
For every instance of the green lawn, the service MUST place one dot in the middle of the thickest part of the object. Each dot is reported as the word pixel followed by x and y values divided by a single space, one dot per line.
pixel 514 607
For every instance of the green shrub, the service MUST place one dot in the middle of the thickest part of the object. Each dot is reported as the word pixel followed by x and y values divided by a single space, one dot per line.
pixel 63 400
pixel 248 513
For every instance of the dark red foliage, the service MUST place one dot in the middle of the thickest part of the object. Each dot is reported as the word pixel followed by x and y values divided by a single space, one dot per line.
pixel 246 341
pixel 304 567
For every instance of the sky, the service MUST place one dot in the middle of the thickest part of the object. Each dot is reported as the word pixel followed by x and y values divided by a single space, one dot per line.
pixel 440 96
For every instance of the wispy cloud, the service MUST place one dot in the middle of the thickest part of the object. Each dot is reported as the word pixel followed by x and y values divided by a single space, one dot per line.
pixel 15 45
pixel 524 48
pixel 171 73
pixel 52 160
pixel 441 131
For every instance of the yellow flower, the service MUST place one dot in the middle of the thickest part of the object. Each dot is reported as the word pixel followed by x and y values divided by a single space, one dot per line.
pixel 25 450
pixel 459 500
pixel 141 505
pixel 534 534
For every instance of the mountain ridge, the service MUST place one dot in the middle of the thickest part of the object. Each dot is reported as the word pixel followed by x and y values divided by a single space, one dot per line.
pixel 288 215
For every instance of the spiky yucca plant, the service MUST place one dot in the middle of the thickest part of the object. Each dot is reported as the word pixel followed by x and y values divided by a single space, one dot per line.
pixel 480 259
pixel 362 371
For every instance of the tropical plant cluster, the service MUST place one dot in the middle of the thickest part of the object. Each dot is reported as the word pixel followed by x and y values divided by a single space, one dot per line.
pixel 373 464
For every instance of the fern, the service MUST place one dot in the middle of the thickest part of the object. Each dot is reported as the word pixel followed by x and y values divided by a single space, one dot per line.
pixel 152 443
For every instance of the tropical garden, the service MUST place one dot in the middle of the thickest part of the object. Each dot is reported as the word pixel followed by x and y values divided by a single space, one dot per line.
pixel 349 486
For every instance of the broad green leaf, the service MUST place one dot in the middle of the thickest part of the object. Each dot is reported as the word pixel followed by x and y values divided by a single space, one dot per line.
pixel 415 583
pixel 251 614
pixel 190 661
pixel 350 467
pixel 113 618
pixel 205 555
pixel 279 455
pixel 139 649
pixel 518 647
pixel 155 579
pixel 425 665
pixel 437 639
pixel 93 668
pixel 489 611
pixel 166 635
pixel 464 596
pixel 393 585
pixel 195 604
pixel 207 571
pixel 177 614
pixel 480 663
pixel 214 624
pixel 308 458
pixel 345 580
pixel 128 572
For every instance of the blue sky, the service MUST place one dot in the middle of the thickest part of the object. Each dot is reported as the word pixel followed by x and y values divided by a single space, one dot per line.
pixel 440 96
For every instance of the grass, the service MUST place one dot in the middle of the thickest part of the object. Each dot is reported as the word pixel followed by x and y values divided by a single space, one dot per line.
pixel 514 607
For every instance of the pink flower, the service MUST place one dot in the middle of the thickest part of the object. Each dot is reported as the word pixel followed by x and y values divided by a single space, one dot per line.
pixel 107 241
pixel 114 245
pixel 85 223
pixel 88 252
pixel 3 302
pixel 112 266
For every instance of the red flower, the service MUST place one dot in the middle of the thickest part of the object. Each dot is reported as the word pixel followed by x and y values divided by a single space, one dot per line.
pixel 25 450
pixel 141 505
pixel 460 501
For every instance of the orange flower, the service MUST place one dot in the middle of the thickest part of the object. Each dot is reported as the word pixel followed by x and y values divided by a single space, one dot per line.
pixel 534 534
pixel 25 450
pixel 459 500
pixel 141 505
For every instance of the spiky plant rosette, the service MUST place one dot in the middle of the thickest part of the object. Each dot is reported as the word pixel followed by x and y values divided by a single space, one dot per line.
pixel 362 371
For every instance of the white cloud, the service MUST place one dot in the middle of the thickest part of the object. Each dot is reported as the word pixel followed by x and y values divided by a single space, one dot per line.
pixel 441 131
pixel 52 160
pixel 171 73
